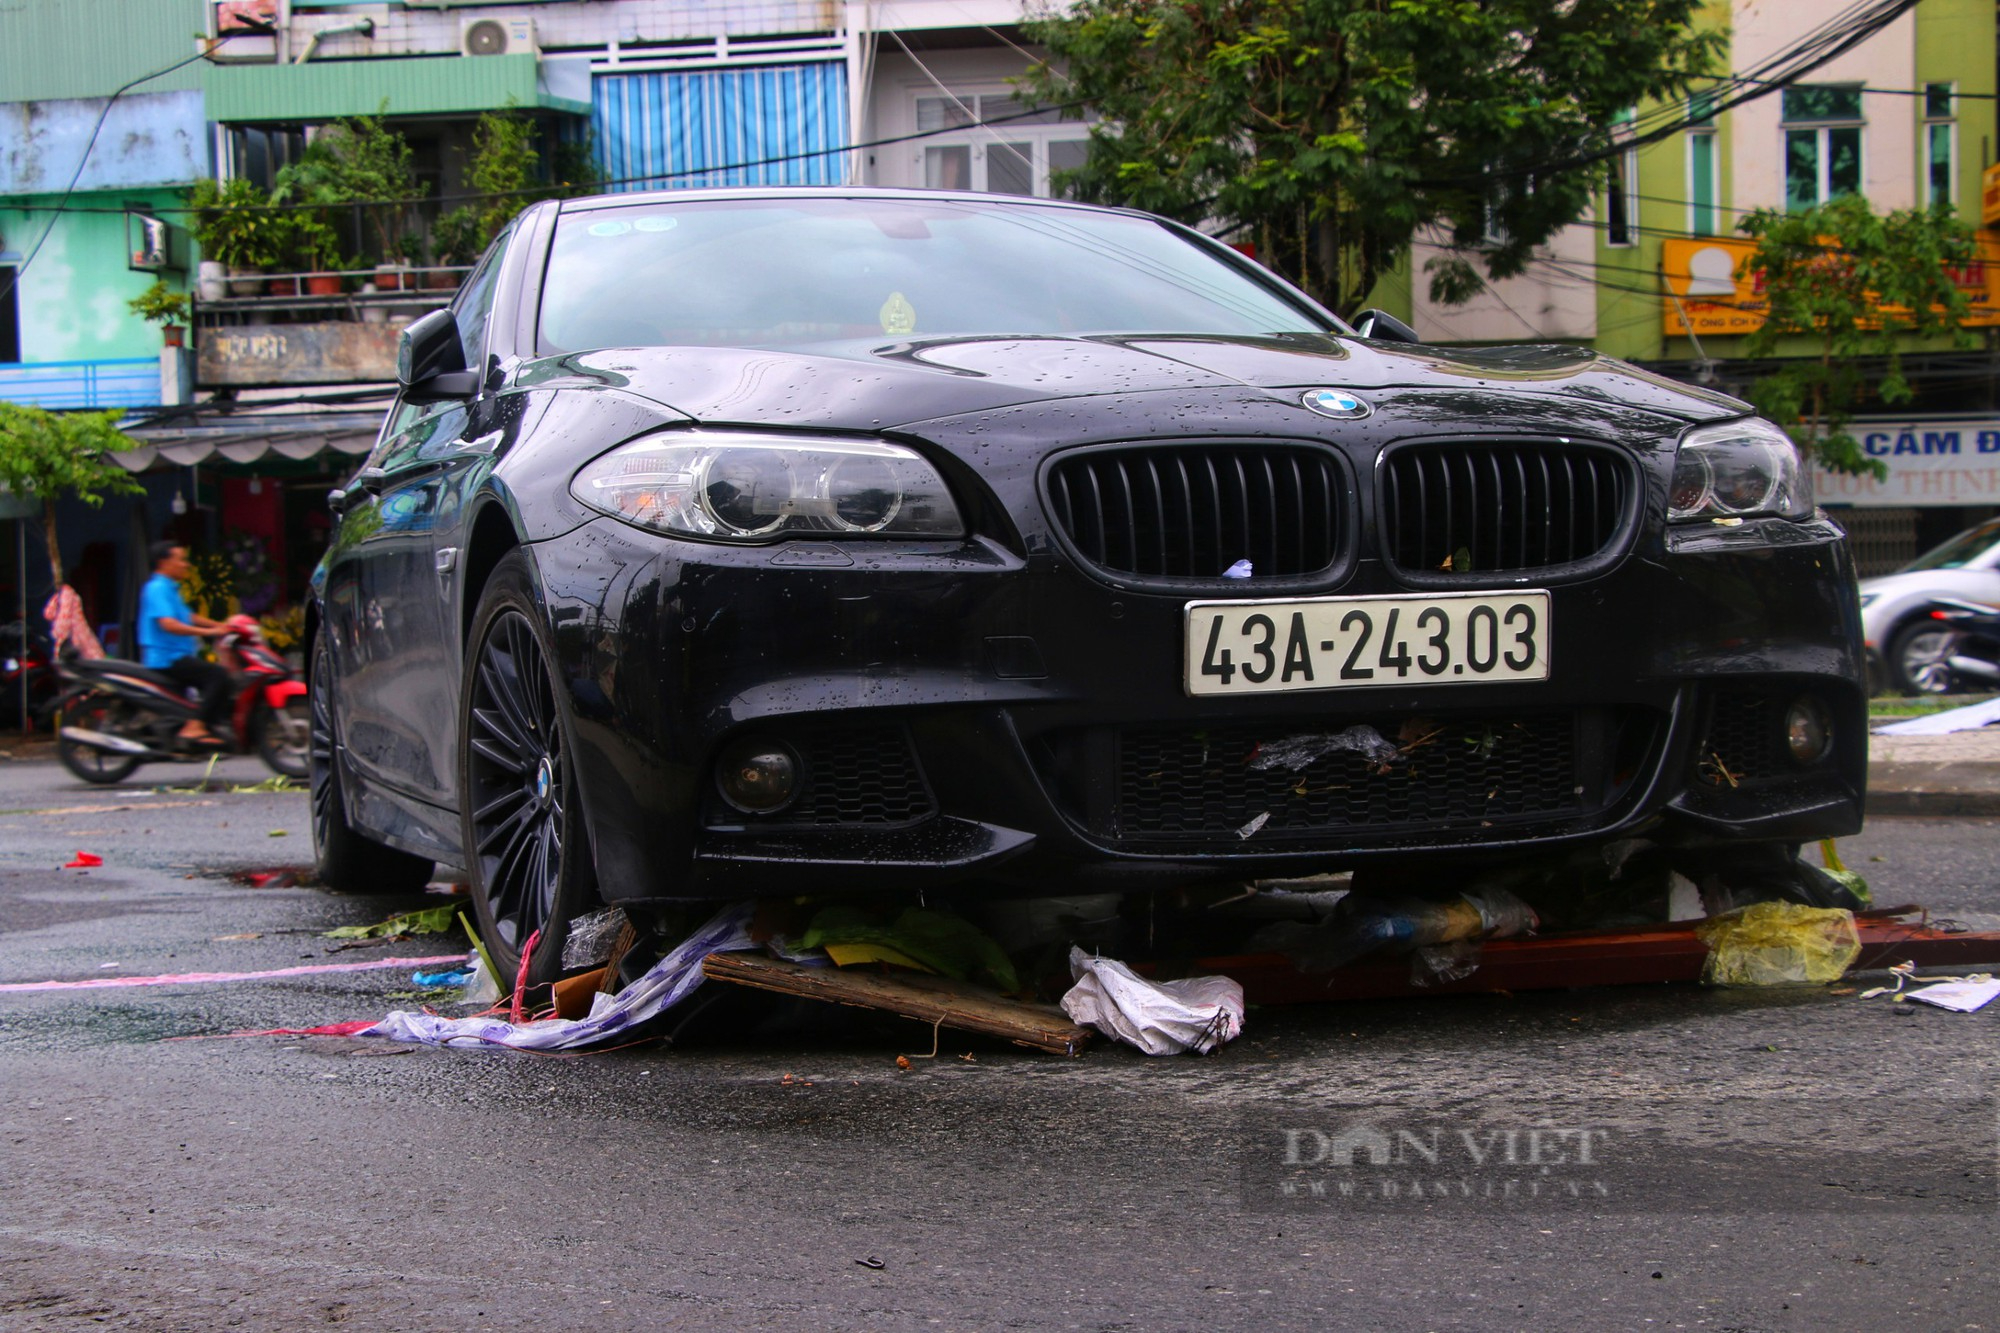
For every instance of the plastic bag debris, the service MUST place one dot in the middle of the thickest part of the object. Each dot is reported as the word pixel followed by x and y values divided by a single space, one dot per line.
pixel 1961 997
pixel 84 861
pixel 935 941
pixel 664 985
pixel 1160 1018
pixel 1240 570
pixel 1297 753
pixel 436 980
pixel 591 939
pixel 1362 925
pixel 1776 944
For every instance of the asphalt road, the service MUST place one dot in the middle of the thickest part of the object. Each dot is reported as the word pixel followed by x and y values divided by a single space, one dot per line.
pixel 1756 1159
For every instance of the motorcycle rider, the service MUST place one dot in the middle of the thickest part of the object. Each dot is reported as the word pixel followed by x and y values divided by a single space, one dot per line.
pixel 168 630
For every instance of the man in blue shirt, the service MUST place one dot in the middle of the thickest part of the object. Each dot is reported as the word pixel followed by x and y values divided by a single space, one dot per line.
pixel 167 634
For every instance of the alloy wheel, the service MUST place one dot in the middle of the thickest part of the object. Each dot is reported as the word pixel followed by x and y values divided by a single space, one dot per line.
pixel 1924 660
pixel 516 771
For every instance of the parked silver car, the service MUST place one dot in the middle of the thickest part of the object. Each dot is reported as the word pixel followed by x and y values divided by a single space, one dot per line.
pixel 1895 617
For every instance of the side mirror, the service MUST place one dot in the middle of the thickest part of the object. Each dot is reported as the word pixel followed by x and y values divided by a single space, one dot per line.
pixel 430 357
pixel 1382 325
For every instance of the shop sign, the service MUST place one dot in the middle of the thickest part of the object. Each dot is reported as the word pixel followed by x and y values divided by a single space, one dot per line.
pixel 1989 195
pixel 1931 464
pixel 330 353
pixel 1712 291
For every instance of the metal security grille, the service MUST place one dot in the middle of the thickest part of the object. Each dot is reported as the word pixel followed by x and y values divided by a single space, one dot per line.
pixel 1192 511
pixel 1485 508
pixel 1181 783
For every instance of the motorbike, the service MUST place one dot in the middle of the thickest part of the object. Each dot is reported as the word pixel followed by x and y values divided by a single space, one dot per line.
pixel 117 715
pixel 1958 651
pixel 26 674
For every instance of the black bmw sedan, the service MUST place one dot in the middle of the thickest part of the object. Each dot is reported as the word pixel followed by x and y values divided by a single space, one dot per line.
pixel 728 544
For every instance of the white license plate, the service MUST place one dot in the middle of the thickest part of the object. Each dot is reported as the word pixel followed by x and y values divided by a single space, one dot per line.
pixel 1331 643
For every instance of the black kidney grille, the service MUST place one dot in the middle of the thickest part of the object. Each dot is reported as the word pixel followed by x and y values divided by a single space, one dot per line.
pixel 1192 511
pixel 1483 508
pixel 1179 782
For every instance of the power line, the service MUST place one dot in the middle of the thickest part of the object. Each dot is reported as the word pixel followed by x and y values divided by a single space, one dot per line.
pixel 14 276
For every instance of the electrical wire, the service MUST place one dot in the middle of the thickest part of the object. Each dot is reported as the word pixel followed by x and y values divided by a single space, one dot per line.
pixel 19 270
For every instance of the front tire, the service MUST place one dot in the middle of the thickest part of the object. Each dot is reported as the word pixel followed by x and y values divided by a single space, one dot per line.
pixel 1918 656
pixel 347 862
pixel 284 738
pixel 524 836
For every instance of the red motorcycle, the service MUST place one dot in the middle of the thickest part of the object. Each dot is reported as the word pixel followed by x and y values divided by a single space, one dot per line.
pixel 117 715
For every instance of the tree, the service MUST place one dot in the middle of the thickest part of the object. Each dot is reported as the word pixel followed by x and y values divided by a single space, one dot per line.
pixel 1856 284
pixel 52 454
pixel 1330 132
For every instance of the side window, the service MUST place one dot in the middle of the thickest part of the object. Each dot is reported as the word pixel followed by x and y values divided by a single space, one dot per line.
pixel 474 307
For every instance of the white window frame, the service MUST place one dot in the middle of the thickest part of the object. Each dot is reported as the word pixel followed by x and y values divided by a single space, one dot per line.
pixel 1702 129
pixel 1820 129
pixel 980 138
pixel 1929 125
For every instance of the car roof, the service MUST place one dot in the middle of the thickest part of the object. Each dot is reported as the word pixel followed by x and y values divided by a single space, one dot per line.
pixel 653 198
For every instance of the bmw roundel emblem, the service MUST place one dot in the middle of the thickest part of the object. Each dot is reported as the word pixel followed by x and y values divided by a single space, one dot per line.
pixel 1335 403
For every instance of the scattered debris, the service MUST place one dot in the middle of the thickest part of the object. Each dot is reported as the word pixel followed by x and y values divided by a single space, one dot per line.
pixel 1296 754
pixel 1242 569
pixel 204 978
pixel 1776 944
pixel 921 938
pixel 1362 924
pixel 1160 1018
pixel 84 861
pixel 668 982
pixel 1250 829
pixel 940 1001
pixel 871 1261
pixel 1963 997
pixel 592 938
pixel 1969 718
pixel 452 977
pixel 429 921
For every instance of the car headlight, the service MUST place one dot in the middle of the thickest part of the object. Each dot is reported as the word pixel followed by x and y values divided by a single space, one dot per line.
pixel 736 486
pixel 1739 469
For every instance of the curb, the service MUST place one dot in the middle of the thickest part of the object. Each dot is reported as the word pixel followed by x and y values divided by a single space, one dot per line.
pixel 1967 789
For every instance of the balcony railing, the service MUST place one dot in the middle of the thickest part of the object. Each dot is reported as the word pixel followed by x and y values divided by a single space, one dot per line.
pixel 273 328
pixel 129 381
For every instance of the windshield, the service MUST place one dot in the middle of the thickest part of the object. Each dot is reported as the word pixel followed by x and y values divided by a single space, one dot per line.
pixel 1960 551
pixel 796 271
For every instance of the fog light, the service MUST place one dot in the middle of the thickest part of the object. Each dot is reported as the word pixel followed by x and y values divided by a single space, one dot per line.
pixel 757 777
pixel 1808 733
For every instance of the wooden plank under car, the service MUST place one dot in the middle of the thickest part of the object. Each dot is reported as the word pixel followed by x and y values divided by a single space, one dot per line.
pixel 938 1001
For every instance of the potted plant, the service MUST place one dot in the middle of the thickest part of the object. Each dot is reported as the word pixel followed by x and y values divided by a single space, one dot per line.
pixel 162 305
pixel 316 252
pixel 236 225
pixel 360 160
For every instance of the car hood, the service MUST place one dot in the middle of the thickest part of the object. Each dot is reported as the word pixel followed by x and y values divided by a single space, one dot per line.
pixel 876 386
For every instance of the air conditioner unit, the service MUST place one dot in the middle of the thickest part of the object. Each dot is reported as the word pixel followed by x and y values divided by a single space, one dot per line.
pixel 497 37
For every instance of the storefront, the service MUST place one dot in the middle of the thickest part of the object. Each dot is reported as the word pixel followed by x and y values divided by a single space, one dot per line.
pixel 1943 476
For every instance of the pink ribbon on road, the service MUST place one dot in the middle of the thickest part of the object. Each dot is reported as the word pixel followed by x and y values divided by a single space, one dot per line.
pixel 202 978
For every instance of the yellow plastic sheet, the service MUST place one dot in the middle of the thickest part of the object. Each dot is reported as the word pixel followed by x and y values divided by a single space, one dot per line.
pixel 1775 944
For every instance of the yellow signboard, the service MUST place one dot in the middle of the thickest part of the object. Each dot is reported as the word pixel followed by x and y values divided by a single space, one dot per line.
pixel 1989 195
pixel 1712 291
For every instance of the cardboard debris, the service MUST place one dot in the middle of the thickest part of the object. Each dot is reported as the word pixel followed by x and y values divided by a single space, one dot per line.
pixel 939 1001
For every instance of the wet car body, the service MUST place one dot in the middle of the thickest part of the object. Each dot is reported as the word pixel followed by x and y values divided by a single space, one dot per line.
pixel 1016 708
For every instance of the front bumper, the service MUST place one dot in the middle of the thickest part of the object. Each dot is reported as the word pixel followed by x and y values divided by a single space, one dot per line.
pixel 964 712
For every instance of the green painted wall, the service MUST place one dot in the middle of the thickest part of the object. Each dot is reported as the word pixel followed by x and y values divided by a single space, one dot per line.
pixel 325 89
pixel 87 48
pixel 72 298
pixel 1955 44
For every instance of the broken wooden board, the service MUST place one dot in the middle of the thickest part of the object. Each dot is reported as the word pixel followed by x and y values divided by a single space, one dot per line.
pixel 1587 958
pixel 938 1001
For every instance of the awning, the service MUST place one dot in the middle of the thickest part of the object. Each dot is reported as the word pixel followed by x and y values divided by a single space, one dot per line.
pixel 291 437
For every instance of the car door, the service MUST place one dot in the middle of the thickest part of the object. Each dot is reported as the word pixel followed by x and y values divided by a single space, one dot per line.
pixel 400 542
